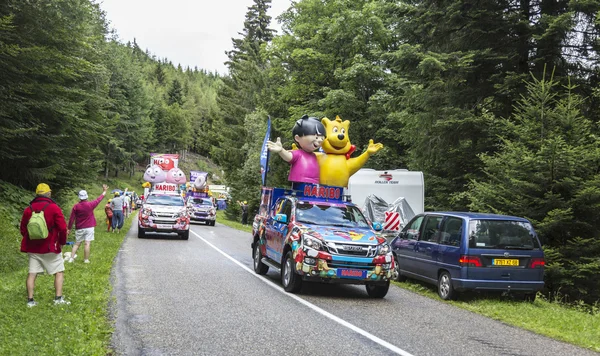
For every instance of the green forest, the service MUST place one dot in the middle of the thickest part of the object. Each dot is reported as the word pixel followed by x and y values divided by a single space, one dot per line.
pixel 496 101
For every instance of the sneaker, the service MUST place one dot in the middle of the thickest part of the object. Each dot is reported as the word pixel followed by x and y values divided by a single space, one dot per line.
pixel 71 260
pixel 61 300
pixel 31 303
pixel 86 261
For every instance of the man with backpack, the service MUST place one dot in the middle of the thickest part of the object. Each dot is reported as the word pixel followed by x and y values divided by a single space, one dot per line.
pixel 85 222
pixel 44 231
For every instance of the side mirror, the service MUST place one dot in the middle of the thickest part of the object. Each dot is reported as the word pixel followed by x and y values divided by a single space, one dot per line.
pixel 377 226
pixel 282 218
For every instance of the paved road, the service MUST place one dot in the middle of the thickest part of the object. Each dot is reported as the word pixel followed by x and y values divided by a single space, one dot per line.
pixel 201 297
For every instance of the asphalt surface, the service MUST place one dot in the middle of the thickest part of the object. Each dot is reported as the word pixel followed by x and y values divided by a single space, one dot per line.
pixel 201 297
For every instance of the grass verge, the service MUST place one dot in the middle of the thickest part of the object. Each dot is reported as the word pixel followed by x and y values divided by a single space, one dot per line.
pixel 551 319
pixel 81 328
pixel 222 218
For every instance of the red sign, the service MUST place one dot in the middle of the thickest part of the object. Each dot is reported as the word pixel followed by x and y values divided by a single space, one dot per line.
pixel 392 221
pixel 165 188
pixel 322 192
pixel 166 161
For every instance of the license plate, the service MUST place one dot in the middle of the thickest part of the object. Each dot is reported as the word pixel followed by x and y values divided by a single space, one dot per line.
pixel 351 273
pixel 164 226
pixel 504 262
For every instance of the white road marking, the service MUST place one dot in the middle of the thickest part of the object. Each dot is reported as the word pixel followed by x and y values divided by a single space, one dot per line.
pixel 338 320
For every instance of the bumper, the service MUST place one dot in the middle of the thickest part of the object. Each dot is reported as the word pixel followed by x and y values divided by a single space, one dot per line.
pixel 180 225
pixel 202 217
pixel 522 286
pixel 343 269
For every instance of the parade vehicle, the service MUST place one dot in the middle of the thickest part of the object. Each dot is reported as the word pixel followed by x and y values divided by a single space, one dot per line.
pixel 202 208
pixel 164 211
pixel 311 233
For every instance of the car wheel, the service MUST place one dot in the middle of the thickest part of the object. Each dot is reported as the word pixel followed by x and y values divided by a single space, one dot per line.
pixel 185 235
pixel 397 275
pixel 212 223
pixel 259 267
pixel 377 291
pixel 445 289
pixel 289 278
pixel 141 233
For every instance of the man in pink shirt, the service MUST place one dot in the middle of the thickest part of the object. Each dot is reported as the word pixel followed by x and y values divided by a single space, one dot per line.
pixel 85 221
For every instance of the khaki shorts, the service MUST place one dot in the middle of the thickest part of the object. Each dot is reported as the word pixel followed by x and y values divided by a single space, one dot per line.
pixel 50 262
pixel 86 234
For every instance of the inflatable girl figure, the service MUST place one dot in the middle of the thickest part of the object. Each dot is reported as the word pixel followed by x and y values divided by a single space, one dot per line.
pixel 309 134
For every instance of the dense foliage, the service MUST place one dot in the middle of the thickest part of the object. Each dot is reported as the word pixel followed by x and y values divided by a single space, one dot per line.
pixel 495 101
pixel 75 102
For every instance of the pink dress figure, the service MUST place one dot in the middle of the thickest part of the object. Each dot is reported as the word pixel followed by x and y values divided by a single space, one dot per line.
pixel 309 134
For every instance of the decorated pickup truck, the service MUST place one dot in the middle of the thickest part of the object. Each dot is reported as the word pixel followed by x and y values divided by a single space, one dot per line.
pixel 312 234
pixel 164 211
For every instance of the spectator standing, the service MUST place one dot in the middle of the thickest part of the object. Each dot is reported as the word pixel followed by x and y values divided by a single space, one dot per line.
pixel 117 206
pixel 85 222
pixel 244 206
pixel 109 214
pixel 45 254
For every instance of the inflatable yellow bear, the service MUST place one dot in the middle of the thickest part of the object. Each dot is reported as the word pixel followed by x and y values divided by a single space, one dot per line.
pixel 335 164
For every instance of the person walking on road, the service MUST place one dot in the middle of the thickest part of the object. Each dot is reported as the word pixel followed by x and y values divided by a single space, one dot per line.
pixel 117 206
pixel 109 214
pixel 85 222
pixel 44 253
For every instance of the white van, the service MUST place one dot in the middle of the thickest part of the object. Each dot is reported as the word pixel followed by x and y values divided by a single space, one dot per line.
pixel 388 185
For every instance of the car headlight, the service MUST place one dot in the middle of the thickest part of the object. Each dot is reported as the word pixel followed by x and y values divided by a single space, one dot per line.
pixel 312 242
pixel 383 249
pixel 147 211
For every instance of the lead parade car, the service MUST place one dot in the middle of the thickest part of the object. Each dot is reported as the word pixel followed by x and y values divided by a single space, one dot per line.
pixel 164 211
pixel 312 234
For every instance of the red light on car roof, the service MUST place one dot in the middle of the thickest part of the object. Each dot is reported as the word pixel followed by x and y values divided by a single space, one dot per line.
pixel 537 262
pixel 470 261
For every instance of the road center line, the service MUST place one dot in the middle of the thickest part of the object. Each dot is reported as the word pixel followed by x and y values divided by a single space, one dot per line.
pixel 338 320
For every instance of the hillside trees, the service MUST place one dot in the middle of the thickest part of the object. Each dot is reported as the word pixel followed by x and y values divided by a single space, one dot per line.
pixel 74 102
pixel 547 169
pixel 240 93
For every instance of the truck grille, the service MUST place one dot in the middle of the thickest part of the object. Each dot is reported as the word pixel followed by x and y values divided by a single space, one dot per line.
pixel 358 250
pixel 351 265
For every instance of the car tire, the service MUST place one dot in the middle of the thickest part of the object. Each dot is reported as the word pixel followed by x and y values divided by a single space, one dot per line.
pixel 259 267
pixel 141 233
pixel 185 235
pixel 377 291
pixel 398 277
pixel 445 289
pixel 290 280
pixel 212 223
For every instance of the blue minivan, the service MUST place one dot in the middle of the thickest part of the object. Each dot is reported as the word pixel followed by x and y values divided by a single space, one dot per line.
pixel 470 251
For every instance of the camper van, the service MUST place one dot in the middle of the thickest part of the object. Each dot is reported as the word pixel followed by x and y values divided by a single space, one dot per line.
pixel 388 185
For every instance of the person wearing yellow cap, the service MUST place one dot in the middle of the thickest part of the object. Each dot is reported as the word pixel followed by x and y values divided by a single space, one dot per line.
pixel 43 244
pixel 244 206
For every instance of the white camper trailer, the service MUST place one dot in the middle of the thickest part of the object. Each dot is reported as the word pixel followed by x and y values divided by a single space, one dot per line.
pixel 388 185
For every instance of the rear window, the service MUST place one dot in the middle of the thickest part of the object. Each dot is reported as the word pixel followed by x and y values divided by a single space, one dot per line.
pixel 502 234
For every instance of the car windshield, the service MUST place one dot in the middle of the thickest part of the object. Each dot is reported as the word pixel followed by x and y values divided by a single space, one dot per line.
pixel 502 234
pixel 170 200
pixel 328 215
pixel 200 201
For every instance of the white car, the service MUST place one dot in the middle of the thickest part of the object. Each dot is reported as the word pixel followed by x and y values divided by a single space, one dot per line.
pixel 164 213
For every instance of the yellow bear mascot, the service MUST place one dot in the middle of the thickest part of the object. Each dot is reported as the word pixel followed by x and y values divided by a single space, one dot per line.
pixel 335 164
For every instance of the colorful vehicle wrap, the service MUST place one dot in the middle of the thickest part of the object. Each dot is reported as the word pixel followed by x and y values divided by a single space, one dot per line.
pixel 329 239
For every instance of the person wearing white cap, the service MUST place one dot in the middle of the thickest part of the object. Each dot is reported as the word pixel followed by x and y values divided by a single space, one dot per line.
pixel 83 216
